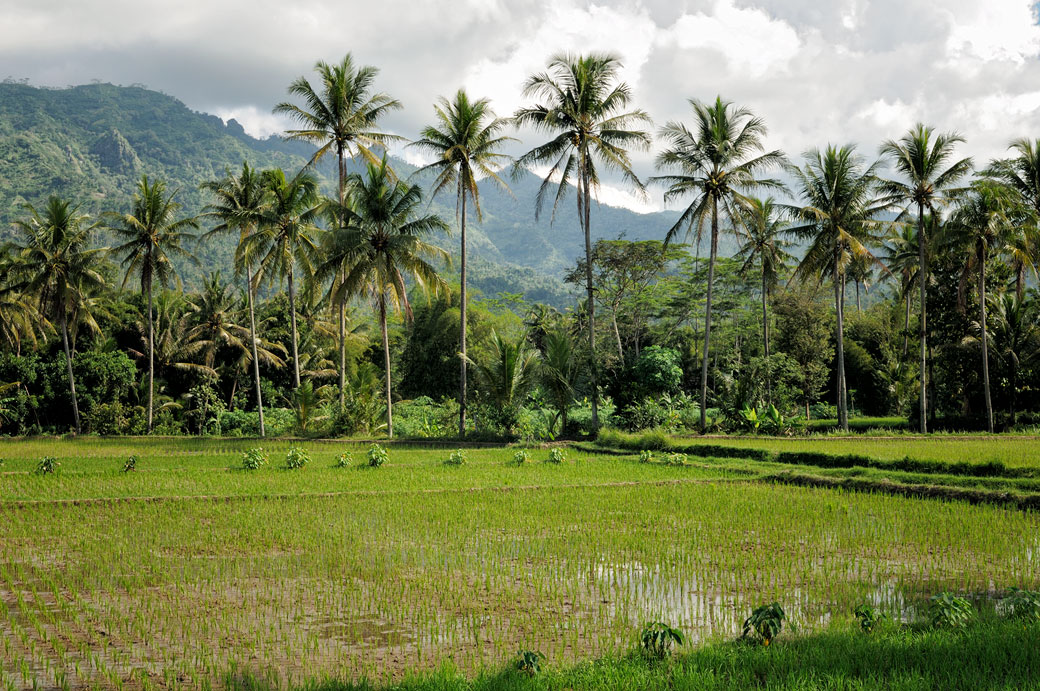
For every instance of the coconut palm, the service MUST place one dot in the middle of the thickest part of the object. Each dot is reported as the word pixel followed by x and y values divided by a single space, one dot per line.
pixel 382 241
pixel 152 237
pixel 901 256
pixel 1016 339
pixel 717 163
pixel 340 115
pixel 465 143
pixel 508 374
pixel 929 181
pixel 559 371
pixel 583 104
pixel 1022 174
pixel 239 207
pixel 55 265
pixel 284 240
pixel 840 202
pixel 766 245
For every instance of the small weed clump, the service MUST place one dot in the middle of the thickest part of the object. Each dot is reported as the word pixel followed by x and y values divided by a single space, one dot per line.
pixel 296 458
pixel 345 460
pixel 48 465
pixel 556 456
pixel 130 464
pixel 377 455
pixel 520 457
pixel 765 623
pixel 657 640
pixel 646 456
pixel 869 618
pixel 677 459
pixel 254 459
pixel 456 458
pixel 948 611
pixel 529 662
pixel 1022 605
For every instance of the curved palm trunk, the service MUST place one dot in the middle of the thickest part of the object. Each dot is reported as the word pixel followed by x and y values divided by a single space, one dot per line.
pixel 256 360
pixel 707 311
pixel 922 277
pixel 68 364
pixel 292 320
pixel 985 338
pixel 765 338
pixel 584 203
pixel 839 308
pixel 462 314
pixel 342 305
pixel 151 359
pixel 906 325
pixel 386 363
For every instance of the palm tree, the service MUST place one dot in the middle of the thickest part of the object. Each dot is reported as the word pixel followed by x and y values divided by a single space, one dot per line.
pixel 901 256
pixel 1016 339
pixel 341 115
pixel 284 241
pixel 239 206
pixel 1022 173
pixel 152 237
pixel 717 163
pixel 559 371
pixel 584 105
pixel 508 374
pixel 984 223
pixel 920 157
pixel 382 243
pixel 465 142
pixel 840 201
pixel 56 266
pixel 766 245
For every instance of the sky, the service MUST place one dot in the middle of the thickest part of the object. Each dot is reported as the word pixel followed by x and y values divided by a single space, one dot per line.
pixel 817 71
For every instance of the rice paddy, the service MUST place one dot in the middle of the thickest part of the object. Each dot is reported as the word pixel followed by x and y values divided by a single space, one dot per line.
pixel 189 568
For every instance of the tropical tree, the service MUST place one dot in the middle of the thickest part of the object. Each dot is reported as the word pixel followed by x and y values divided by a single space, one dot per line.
pixel 507 375
pixel 840 202
pixel 152 237
pixel 765 245
pixel 55 264
pixel 239 206
pixel 383 243
pixel 465 142
pixel 584 105
pixel 902 258
pixel 559 371
pixel 340 115
pixel 284 240
pixel 921 158
pixel 1016 340
pixel 1022 174
pixel 716 162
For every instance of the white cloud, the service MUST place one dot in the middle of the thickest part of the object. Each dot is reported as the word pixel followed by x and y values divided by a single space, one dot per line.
pixel 256 122
pixel 995 30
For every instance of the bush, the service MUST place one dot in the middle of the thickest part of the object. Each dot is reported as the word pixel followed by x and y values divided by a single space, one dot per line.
pixel 676 459
pixel 529 662
pixel 456 458
pixel 377 456
pixel 556 456
pixel 658 370
pixel 646 456
pixel 947 611
pixel 130 465
pixel 296 458
pixel 48 465
pixel 869 618
pixel 345 460
pixel 520 457
pixel 1023 605
pixel 106 419
pixel 254 459
pixel 657 640
pixel 765 623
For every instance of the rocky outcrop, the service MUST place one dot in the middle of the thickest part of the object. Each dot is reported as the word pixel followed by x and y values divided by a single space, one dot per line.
pixel 115 153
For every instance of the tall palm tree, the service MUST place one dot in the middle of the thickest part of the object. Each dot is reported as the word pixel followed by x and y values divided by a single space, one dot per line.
pixel 383 243
pixel 840 202
pixel 983 224
pixel 717 162
pixel 559 371
pixel 1022 173
pixel 508 374
pixel 55 264
pixel 921 157
pixel 1016 339
pixel 239 206
pixel 341 115
pixel 465 142
pixel 284 240
pixel 901 256
pixel 152 237
pixel 766 245
pixel 584 105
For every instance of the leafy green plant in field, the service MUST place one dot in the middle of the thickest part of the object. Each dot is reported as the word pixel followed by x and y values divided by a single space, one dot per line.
pixel 749 419
pixel 254 459
pixel 646 456
pixel 1022 605
pixel 529 662
pixel 869 618
pixel 377 455
pixel 556 456
pixel 776 423
pixel 456 458
pixel 765 623
pixel 296 458
pixel 520 457
pixel 658 638
pixel 676 459
pixel 48 465
pixel 345 460
pixel 948 611
pixel 130 464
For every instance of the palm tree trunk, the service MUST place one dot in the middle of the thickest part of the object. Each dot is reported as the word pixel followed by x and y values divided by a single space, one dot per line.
pixel 256 360
pixel 584 205
pixel 617 333
pixel 68 364
pixel 386 363
pixel 342 306
pixel 906 325
pixel 462 312
pixel 985 338
pixel 151 358
pixel 292 320
pixel 922 277
pixel 859 304
pixel 707 312
pixel 765 338
pixel 1020 280
pixel 843 420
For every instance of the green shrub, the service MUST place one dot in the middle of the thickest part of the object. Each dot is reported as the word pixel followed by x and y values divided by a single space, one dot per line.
pixel 296 458
pixel 646 456
pixel 48 465
pixel 456 458
pixel 556 456
pixel 657 640
pixel 130 465
pixel 869 618
pixel 676 459
pixel 947 611
pixel 520 457
pixel 345 460
pixel 765 623
pixel 377 455
pixel 254 459
pixel 1023 605
pixel 529 662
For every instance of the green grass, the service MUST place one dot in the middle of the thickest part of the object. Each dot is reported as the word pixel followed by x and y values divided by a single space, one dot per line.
pixel 190 569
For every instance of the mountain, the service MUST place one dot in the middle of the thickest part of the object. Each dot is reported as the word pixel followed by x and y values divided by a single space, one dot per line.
pixel 92 143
